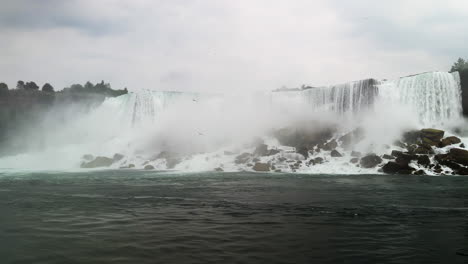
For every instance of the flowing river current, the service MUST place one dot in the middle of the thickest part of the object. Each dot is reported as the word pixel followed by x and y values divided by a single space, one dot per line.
pixel 120 216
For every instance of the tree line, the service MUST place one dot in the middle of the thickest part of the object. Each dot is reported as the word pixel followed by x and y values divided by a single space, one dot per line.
pixel 88 87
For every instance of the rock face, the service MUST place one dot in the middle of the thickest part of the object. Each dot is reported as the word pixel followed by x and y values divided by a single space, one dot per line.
pixel 261 167
pixel 449 141
pixel 396 168
pixel 98 162
pixel 431 136
pixel 459 156
pixel 370 161
pixel 330 145
pixel 243 158
pixel 335 154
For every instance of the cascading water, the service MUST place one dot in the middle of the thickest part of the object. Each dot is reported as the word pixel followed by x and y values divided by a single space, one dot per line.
pixel 434 97
pixel 344 99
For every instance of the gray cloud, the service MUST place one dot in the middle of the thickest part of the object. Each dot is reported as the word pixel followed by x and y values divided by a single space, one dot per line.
pixel 226 45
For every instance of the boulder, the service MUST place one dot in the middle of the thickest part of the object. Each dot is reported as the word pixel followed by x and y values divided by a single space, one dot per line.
pixel 395 168
pixel 272 152
pixel 459 156
pixel 219 169
pixel 354 160
pixel 243 158
pixel 403 158
pixel 335 154
pixel 419 172
pixel 149 167
pixel 98 162
pixel 431 136
pixel 387 157
pixel 330 145
pixel 261 167
pixel 424 160
pixel 449 141
pixel 370 161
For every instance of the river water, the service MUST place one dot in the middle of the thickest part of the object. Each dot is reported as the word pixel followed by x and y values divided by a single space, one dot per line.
pixel 122 216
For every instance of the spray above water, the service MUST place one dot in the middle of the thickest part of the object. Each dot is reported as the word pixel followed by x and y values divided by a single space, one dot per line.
pixel 191 131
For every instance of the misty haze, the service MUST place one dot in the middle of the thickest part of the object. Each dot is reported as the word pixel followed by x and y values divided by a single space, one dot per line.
pixel 233 131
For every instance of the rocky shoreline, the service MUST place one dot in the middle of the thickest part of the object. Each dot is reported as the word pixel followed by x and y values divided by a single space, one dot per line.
pixel 418 152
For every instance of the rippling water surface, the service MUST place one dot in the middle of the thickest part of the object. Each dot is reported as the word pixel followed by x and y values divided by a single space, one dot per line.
pixel 143 217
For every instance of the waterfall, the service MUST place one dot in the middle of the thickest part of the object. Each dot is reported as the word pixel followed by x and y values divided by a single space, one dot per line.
pixel 435 97
pixel 348 98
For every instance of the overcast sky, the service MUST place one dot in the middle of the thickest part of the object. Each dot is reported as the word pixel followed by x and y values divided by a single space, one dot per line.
pixel 234 45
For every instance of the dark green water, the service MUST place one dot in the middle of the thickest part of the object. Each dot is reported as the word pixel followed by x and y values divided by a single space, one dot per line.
pixel 141 217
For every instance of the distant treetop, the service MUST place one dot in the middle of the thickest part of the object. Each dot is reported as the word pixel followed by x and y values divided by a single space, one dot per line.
pixel 459 65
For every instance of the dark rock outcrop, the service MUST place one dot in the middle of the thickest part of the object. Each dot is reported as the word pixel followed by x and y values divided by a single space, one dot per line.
pixel 397 168
pixel 370 161
pixel 261 167
pixel 449 141
pixel 149 167
pixel 303 151
pixel 334 153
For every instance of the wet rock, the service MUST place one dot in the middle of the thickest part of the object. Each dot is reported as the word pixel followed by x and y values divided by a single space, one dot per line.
pixel 335 154
pixel 424 160
pixel 403 158
pixel 459 155
pixel 462 145
pixel 423 149
pixel 303 151
pixel 431 136
pixel 396 168
pixel 149 167
pixel 356 154
pixel 98 162
pixel 449 141
pixel 117 157
pixel 354 160
pixel 243 158
pixel 330 145
pixel 277 170
pixel 318 160
pixel 219 169
pixel 261 167
pixel 387 157
pixel 370 161
pixel 419 172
